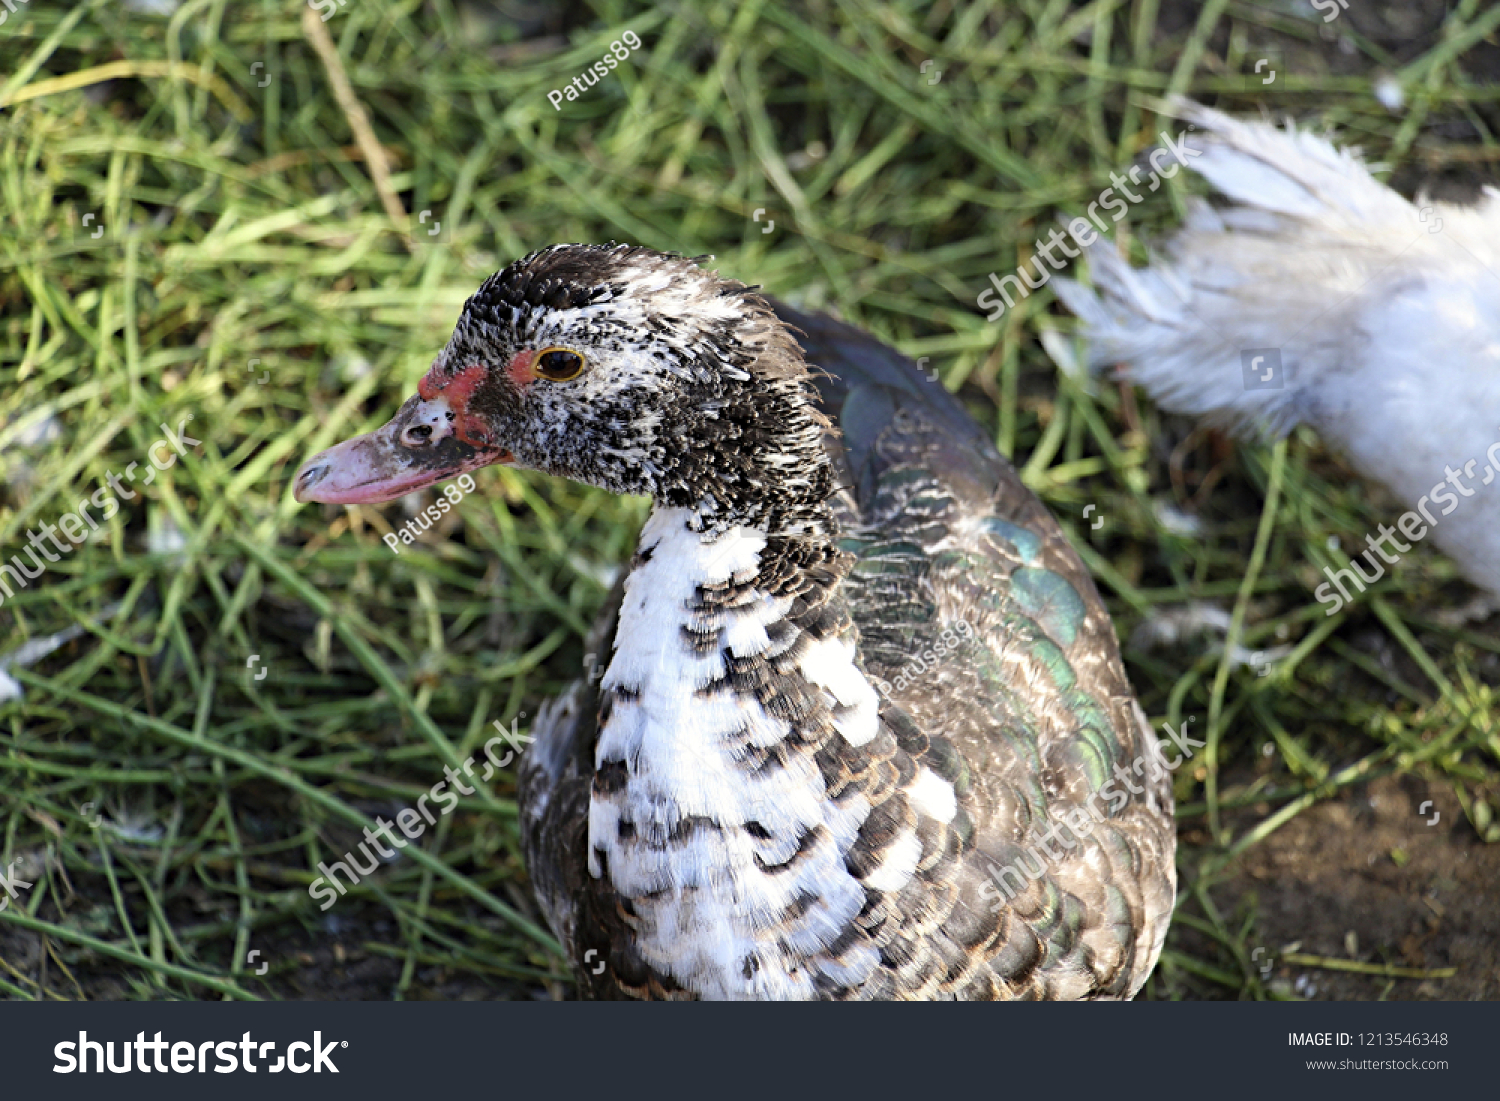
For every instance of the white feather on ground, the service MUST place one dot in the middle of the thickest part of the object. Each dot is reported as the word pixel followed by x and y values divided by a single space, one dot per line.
pixel 34 651
pixel 1386 314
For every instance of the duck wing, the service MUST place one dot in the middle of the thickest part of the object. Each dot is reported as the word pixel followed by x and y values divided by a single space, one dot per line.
pixel 987 632
pixel 553 783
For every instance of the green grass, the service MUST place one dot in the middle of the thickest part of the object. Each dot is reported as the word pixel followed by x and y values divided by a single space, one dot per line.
pixel 246 237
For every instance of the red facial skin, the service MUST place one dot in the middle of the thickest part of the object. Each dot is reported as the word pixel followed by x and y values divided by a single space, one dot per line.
pixel 391 462
pixel 456 391
pixel 520 368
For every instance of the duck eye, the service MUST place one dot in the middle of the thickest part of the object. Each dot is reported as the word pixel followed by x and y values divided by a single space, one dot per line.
pixel 557 365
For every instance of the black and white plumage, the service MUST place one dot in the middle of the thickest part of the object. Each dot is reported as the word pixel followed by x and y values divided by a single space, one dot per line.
pixel 855 664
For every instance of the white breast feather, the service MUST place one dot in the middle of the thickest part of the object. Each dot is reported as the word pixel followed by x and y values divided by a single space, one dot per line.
pixel 933 796
pixel 714 909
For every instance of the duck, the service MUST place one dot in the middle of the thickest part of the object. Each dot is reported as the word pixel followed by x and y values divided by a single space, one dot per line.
pixel 1313 294
pixel 864 732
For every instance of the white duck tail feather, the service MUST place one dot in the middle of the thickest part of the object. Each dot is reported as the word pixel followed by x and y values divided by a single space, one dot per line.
pixel 1385 315
pixel 1290 172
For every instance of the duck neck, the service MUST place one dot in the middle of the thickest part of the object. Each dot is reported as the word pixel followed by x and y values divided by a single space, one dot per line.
pixel 752 455
pixel 731 706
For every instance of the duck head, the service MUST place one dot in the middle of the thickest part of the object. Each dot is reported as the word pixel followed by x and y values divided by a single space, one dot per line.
pixel 620 367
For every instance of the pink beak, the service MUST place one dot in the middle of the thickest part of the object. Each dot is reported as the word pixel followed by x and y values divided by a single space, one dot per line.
pixel 417 448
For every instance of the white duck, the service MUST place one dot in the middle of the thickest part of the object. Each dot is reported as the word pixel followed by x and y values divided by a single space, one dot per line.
pixel 1321 296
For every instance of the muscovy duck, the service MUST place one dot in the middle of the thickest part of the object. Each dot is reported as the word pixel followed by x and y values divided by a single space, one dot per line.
pixel 859 677
pixel 1375 320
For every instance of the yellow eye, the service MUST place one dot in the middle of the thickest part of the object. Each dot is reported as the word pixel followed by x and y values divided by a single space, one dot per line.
pixel 557 364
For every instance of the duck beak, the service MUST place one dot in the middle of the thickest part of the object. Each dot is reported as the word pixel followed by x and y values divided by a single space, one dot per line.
pixel 415 450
